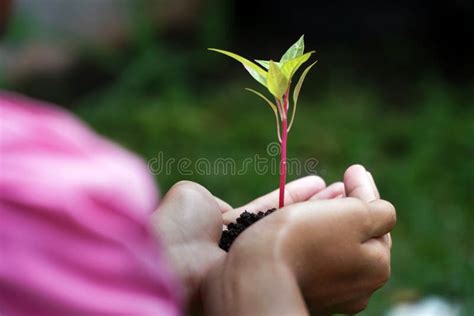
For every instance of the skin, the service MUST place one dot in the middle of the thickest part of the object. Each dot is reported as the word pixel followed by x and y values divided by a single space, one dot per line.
pixel 326 251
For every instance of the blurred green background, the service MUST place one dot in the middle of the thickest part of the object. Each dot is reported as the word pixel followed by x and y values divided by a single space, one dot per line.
pixel 393 90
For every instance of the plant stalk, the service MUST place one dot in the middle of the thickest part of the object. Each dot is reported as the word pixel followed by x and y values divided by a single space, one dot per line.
pixel 284 137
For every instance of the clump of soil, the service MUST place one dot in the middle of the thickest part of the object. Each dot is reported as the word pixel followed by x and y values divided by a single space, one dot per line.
pixel 235 229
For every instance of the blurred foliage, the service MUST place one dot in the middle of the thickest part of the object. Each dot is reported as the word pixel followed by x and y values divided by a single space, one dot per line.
pixel 171 97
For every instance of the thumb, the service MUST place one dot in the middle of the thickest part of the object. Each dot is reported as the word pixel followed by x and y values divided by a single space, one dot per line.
pixel 358 184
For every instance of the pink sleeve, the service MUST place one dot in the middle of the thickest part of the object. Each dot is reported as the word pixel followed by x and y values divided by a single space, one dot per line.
pixel 73 220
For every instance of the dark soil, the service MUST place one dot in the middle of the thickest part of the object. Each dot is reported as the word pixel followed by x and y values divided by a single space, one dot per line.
pixel 234 229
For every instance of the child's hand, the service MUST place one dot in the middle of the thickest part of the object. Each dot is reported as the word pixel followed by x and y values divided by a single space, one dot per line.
pixel 322 248
pixel 331 255
pixel 189 224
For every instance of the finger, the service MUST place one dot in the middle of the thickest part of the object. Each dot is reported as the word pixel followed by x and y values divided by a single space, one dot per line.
pixel 383 218
pixel 374 186
pixel 333 191
pixel 378 267
pixel 357 184
pixel 296 191
pixel 224 206
pixel 386 240
pixel 353 306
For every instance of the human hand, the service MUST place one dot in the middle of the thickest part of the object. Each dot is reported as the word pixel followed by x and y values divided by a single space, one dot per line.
pixel 331 255
pixel 189 224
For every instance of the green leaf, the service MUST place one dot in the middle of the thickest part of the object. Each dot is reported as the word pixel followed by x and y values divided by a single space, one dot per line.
pixel 291 66
pixel 297 91
pixel 272 105
pixel 266 63
pixel 255 71
pixel 277 83
pixel 296 50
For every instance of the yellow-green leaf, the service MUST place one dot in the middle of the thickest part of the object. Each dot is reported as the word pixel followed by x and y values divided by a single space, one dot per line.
pixel 272 105
pixel 255 71
pixel 297 91
pixel 290 67
pixel 266 63
pixel 296 50
pixel 277 83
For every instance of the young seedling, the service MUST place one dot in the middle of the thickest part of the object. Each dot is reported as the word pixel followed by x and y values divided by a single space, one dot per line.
pixel 277 78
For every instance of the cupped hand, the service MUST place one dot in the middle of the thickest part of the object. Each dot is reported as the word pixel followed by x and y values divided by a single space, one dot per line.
pixel 323 252
pixel 190 219
pixel 328 255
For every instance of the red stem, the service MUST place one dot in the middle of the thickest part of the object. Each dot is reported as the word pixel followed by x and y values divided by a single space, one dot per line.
pixel 284 137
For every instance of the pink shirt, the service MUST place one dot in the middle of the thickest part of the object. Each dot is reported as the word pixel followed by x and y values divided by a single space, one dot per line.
pixel 73 220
